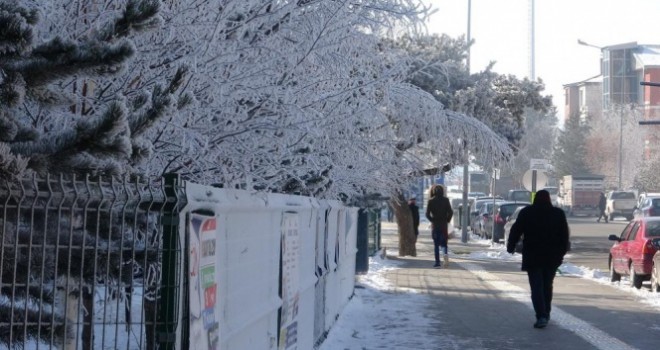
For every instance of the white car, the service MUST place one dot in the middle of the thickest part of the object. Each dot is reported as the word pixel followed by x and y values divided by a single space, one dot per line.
pixel 553 194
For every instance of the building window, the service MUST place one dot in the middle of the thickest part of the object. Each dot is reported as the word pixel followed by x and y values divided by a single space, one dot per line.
pixel 581 100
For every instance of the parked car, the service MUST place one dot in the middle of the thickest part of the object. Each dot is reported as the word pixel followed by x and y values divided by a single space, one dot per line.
pixel 633 250
pixel 475 209
pixel 642 196
pixel 620 203
pixel 507 229
pixel 519 196
pixel 650 206
pixel 485 217
pixel 502 212
pixel 655 270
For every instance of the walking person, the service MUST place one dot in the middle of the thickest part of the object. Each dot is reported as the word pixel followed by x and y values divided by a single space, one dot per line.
pixel 414 210
pixel 545 242
pixel 602 203
pixel 439 213
pixel 390 213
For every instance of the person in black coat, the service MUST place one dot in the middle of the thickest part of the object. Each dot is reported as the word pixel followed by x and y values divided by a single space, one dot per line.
pixel 545 242
pixel 414 210
pixel 602 203
pixel 439 213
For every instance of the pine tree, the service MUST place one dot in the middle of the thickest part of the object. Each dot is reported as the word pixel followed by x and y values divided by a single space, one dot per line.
pixel 39 133
pixel 106 143
pixel 569 155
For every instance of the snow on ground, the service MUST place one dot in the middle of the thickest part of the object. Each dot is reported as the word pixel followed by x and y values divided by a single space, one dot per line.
pixel 375 317
pixel 377 303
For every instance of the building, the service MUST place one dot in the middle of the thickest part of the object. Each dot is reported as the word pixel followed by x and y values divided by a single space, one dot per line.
pixel 584 98
pixel 622 68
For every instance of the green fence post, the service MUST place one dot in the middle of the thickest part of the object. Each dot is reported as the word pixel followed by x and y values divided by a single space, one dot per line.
pixel 169 306
pixel 363 251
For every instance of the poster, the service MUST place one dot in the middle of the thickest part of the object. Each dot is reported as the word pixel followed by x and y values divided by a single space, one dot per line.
pixel 290 281
pixel 202 235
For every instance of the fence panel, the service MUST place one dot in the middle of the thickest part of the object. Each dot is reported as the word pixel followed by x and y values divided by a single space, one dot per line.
pixel 84 264
pixel 284 269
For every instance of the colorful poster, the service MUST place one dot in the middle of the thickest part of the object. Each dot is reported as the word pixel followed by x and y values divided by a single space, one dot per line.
pixel 204 328
pixel 290 281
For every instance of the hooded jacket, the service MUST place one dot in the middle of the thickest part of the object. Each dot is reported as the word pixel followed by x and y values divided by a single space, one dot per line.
pixel 438 211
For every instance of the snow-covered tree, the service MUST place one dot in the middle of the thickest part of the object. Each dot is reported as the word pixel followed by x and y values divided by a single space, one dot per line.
pixel 569 154
pixel 56 119
pixel 602 145
pixel 438 67
pixel 292 96
pixel 648 175
pixel 538 142
pixel 45 75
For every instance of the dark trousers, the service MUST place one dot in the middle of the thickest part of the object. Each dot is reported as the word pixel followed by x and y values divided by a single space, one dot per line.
pixel 540 283
pixel 602 215
pixel 439 240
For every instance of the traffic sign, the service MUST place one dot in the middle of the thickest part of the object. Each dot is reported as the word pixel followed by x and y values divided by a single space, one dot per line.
pixel 538 164
pixel 527 180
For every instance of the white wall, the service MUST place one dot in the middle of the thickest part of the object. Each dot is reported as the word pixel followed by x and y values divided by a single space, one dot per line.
pixel 318 267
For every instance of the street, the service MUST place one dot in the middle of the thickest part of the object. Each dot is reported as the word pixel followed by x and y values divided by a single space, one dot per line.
pixel 589 243
pixel 482 298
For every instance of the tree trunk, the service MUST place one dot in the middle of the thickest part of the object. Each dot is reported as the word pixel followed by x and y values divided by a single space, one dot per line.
pixel 405 225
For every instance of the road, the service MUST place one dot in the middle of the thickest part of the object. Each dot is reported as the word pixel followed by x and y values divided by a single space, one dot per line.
pixel 491 295
pixel 590 246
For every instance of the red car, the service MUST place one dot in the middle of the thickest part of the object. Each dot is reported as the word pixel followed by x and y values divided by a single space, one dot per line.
pixel 632 252
pixel 655 273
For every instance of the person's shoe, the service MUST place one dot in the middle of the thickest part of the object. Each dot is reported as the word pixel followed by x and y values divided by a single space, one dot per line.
pixel 437 265
pixel 541 322
pixel 446 258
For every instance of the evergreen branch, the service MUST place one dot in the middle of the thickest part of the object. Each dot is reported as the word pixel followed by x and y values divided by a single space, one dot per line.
pixel 139 15
pixel 59 59
pixel 16 29
pixel 161 101
pixel 97 146
pixel 11 166
pixel 12 89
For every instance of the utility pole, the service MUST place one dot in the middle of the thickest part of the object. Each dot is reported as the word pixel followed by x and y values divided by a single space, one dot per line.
pixel 532 43
pixel 620 144
pixel 466 166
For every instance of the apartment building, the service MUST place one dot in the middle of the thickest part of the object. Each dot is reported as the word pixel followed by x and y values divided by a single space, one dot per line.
pixel 622 68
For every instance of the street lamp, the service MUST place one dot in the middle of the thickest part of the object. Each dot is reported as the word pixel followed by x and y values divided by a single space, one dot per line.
pixel 583 43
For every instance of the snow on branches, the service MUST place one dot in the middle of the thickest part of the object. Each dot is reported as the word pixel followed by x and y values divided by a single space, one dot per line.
pixel 285 96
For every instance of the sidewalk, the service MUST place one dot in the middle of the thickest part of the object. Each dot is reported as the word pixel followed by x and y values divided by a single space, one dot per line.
pixel 485 304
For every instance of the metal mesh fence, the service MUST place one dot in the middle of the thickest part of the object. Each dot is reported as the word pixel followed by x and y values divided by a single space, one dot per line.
pixel 89 264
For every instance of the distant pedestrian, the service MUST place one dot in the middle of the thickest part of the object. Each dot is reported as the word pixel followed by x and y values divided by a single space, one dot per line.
pixel 602 203
pixel 414 210
pixel 545 242
pixel 390 213
pixel 439 213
